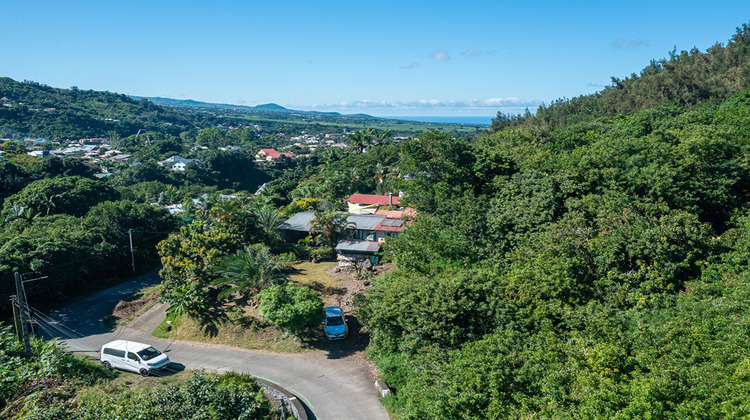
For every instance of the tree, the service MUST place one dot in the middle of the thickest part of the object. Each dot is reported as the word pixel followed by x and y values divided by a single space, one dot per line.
pixel 269 220
pixel 70 195
pixel 437 166
pixel 329 227
pixel 358 140
pixel 250 270
pixel 291 307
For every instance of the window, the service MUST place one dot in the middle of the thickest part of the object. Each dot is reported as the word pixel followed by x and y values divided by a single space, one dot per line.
pixel 148 353
pixel 113 352
pixel 133 357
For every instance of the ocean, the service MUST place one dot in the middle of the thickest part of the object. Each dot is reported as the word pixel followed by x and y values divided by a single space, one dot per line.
pixel 451 120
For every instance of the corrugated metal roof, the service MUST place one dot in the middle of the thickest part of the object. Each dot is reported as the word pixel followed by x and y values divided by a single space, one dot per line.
pixel 300 222
pixel 358 246
pixel 365 221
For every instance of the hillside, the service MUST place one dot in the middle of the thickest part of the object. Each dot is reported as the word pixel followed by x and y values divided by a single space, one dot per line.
pixel 574 266
pixel 275 117
pixel 686 79
pixel 32 109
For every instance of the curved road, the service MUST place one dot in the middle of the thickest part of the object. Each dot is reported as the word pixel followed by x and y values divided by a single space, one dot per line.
pixel 332 386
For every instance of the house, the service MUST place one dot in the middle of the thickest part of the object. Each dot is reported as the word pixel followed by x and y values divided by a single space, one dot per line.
pixel 271 155
pixel 369 203
pixel 367 233
pixel 39 153
pixel 296 227
pixel 177 162
pixel 349 250
pixel 119 158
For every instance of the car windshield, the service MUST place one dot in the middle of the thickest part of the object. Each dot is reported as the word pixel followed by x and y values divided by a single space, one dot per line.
pixel 333 321
pixel 148 353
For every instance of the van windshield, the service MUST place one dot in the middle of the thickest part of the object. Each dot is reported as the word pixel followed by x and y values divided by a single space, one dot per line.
pixel 149 353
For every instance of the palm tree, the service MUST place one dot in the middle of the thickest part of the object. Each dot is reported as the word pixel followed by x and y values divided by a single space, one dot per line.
pixel 249 271
pixel 330 227
pixel 48 201
pixel 18 211
pixel 382 136
pixel 170 195
pixel 358 140
pixel 268 219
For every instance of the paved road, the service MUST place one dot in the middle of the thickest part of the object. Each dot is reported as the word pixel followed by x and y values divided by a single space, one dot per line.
pixel 332 387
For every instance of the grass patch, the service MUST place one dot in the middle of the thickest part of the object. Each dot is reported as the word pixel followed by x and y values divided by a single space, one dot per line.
pixel 249 332
pixel 316 277
pixel 127 310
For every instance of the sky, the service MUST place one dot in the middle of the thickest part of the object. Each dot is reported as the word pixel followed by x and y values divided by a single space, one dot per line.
pixel 384 58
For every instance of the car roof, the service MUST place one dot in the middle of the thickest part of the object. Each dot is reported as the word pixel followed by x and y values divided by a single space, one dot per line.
pixel 334 311
pixel 126 345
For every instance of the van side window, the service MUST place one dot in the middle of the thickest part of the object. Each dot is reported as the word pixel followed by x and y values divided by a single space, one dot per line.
pixel 114 352
pixel 132 356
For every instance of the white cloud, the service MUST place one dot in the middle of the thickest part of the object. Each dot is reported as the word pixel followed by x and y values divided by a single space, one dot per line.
pixel 636 43
pixel 429 104
pixel 410 66
pixel 472 53
pixel 441 55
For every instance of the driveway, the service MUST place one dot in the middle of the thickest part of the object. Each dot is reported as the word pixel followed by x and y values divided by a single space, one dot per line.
pixel 332 387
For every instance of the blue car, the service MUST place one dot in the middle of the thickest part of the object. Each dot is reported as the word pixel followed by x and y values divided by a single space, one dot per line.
pixel 335 324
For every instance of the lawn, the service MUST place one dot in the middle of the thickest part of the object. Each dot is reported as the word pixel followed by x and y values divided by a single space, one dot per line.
pixel 238 323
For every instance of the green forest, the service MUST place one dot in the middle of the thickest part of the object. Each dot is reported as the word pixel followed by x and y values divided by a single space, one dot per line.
pixel 588 260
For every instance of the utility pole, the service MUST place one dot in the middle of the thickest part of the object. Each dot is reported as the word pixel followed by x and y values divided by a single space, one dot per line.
pixel 22 313
pixel 16 315
pixel 132 256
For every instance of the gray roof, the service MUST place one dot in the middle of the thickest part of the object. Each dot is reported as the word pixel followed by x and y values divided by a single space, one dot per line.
pixel 365 222
pixel 358 247
pixel 300 222
pixel 392 223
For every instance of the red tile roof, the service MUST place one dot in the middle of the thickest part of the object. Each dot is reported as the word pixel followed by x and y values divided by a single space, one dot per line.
pixel 272 153
pixel 396 214
pixel 371 199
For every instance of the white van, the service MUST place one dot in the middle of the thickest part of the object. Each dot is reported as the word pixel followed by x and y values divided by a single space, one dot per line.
pixel 133 357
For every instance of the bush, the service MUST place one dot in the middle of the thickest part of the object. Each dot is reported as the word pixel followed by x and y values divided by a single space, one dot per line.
pixel 291 307
pixel 323 253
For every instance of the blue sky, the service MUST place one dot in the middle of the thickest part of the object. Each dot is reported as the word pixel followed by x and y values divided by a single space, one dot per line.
pixel 384 58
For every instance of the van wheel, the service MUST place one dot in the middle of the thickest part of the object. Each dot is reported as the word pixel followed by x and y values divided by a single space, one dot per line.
pixel 144 372
pixel 107 365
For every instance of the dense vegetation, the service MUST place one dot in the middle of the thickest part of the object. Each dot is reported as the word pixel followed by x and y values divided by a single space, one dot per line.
pixel 73 229
pixel 587 266
pixel 42 111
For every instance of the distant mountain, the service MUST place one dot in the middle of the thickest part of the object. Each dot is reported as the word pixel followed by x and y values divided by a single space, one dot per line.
pixel 264 108
pixel 272 107
pixel 32 109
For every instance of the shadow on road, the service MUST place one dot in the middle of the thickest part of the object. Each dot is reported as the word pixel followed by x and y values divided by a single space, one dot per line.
pixel 173 369
pixel 356 341
pixel 310 414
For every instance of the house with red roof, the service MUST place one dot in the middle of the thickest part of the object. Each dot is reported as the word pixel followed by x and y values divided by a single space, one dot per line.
pixel 369 203
pixel 270 155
